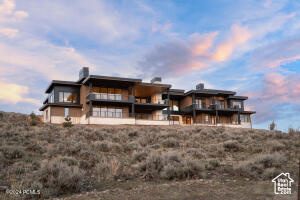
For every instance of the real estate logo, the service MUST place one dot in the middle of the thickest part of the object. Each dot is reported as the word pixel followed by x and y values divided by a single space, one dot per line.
pixel 283 184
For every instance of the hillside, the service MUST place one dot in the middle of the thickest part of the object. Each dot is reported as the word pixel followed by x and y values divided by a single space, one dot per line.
pixel 143 162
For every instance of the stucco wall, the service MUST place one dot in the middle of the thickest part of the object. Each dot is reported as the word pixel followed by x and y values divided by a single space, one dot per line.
pixel 111 121
pixel 151 122
pixel 60 120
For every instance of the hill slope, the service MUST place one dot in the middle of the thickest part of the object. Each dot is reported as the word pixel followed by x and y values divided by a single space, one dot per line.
pixel 143 162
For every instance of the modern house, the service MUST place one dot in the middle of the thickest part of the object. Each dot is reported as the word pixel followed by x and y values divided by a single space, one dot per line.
pixel 114 100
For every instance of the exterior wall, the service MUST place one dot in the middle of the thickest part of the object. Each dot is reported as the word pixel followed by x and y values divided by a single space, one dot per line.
pixel 111 121
pixel 60 111
pixel 60 120
pixel 47 114
pixel 185 102
pixel 156 98
pixel 151 122
pixel 84 92
pixel 57 111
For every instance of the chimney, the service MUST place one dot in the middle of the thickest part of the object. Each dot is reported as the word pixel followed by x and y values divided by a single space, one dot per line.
pixel 156 80
pixel 83 73
pixel 200 86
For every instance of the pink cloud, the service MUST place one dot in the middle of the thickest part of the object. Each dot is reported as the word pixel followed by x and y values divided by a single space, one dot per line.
pixel 238 36
pixel 277 89
pixel 199 51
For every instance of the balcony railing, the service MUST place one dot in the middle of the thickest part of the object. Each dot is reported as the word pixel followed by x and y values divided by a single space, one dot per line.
pixel 112 97
pixel 152 101
pixel 150 116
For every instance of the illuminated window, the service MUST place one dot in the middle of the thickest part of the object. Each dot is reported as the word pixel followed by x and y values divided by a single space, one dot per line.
pixel 67 97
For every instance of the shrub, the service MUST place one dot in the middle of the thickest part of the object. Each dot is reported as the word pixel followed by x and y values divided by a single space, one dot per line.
pixel 231 145
pixel 212 164
pixel 272 126
pixel 33 119
pixel 254 167
pixel 170 143
pixel 138 156
pixel 67 123
pixel 170 165
pixel 59 178
pixel 12 152
pixel 108 168
pixel 133 134
pixel 270 173
pixel 275 145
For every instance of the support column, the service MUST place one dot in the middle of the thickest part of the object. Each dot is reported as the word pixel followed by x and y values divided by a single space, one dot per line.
pixel 217 117
pixel 91 103
pixel 239 117
pixel 194 108
pixel 168 108
pixel 132 105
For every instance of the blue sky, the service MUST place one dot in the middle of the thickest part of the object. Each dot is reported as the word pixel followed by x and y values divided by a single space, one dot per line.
pixel 252 47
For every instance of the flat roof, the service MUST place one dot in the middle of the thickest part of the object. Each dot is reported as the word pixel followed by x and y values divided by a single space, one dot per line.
pixel 211 91
pixel 134 80
pixel 238 97
pixel 155 84
pixel 59 105
pixel 58 82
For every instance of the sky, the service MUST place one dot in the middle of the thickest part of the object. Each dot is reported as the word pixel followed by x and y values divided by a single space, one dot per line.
pixel 251 47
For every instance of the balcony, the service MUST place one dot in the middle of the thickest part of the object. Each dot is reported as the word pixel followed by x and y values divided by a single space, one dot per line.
pixel 108 114
pixel 151 101
pixel 111 99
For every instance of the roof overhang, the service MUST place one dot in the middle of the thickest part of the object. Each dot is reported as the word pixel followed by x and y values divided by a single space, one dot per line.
pixel 210 92
pixel 110 78
pixel 60 105
pixel 238 97
pixel 61 83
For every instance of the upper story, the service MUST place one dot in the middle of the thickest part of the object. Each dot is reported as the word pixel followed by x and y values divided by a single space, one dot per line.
pixel 92 90
pixel 113 91
pixel 205 100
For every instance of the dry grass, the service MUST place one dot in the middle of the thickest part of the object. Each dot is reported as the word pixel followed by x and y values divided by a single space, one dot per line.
pixel 60 160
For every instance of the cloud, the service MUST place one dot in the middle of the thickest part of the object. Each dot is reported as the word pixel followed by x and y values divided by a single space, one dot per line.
pixel 9 32
pixel 276 55
pixel 13 93
pixel 199 51
pixel 42 59
pixel 239 35
pixel 8 17
pixel 277 90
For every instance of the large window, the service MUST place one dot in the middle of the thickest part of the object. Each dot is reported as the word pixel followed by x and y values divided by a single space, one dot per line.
pixel 67 97
pixel 221 104
pixel 244 118
pixel 237 104
pixel 104 111
pixel 200 103
pixel 108 93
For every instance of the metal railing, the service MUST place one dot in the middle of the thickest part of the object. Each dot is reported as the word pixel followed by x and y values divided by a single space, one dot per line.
pixel 152 100
pixel 150 116
pixel 110 97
